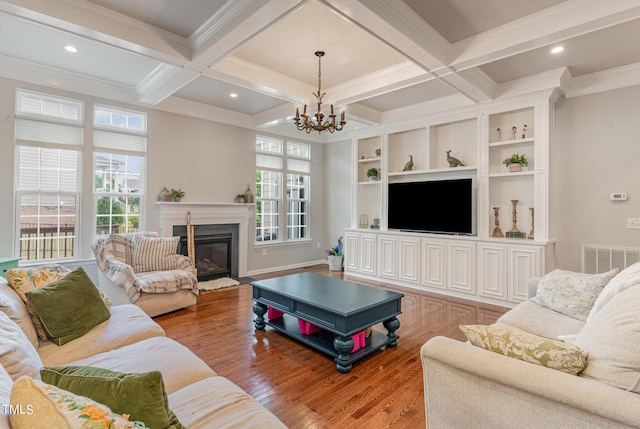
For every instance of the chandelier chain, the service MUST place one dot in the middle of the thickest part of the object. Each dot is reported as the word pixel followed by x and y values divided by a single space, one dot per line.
pixel 306 123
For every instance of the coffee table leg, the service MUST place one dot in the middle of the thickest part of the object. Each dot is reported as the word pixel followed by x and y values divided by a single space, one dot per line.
pixel 392 325
pixel 343 346
pixel 260 310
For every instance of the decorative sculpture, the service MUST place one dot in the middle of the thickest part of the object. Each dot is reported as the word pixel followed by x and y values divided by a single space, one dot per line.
pixel 498 135
pixel 453 162
pixel 497 232
pixel 514 131
pixel 514 232
pixel 530 237
pixel 409 165
pixel 524 131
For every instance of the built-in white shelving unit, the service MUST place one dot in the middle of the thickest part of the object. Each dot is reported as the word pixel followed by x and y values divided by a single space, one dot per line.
pixel 482 267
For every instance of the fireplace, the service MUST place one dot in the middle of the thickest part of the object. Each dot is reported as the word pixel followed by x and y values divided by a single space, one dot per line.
pixel 208 215
pixel 216 249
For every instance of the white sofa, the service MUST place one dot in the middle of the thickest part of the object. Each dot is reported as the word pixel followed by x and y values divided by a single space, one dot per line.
pixel 469 387
pixel 130 341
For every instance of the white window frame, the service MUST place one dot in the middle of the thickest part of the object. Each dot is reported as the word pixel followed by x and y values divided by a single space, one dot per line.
pixel 120 140
pixel 285 158
pixel 48 123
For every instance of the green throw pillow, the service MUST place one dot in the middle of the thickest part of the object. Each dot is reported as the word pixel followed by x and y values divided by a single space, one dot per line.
pixel 530 348
pixel 142 396
pixel 69 308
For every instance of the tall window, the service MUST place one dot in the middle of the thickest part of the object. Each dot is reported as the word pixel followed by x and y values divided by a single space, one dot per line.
pixel 48 138
pixel 269 164
pixel 298 169
pixel 272 165
pixel 118 169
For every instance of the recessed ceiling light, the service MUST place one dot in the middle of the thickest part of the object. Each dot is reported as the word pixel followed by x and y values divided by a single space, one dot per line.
pixel 70 48
pixel 557 49
pixel 233 95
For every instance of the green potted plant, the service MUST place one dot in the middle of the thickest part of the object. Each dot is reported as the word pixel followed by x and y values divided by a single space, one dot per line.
pixel 515 162
pixel 372 174
pixel 176 194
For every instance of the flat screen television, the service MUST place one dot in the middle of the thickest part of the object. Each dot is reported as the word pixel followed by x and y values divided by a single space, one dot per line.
pixel 437 206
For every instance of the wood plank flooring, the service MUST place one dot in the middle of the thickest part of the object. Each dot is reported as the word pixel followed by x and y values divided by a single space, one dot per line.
pixel 301 385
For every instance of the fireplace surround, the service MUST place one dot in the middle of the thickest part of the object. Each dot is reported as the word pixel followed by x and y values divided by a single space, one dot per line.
pixel 225 216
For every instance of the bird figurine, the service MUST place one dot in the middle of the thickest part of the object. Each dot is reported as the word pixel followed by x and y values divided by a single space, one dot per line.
pixel 409 165
pixel 453 162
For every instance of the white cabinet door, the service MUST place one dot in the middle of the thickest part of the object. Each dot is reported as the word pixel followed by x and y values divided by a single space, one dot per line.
pixel 434 263
pixel 387 261
pixel 524 263
pixel 461 275
pixel 409 259
pixel 492 270
pixel 351 251
pixel 368 254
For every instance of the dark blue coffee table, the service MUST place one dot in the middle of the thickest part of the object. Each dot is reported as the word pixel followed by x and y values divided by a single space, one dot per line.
pixel 340 307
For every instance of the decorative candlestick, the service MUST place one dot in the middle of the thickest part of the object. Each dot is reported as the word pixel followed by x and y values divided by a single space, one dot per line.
pixel 497 232
pixel 514 232
pixel 530 237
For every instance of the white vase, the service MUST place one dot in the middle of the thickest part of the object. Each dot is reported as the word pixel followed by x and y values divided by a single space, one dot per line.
pixel 335 263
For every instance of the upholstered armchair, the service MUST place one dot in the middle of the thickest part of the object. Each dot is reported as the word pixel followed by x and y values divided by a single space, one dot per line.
pixel 146 270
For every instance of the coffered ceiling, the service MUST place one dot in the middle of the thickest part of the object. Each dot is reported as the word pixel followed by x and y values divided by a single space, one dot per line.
pixel 386 60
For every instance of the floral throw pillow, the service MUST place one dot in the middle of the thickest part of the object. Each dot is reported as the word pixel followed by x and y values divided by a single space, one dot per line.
pixel 572 294
pixel 46 406
pixel 527 347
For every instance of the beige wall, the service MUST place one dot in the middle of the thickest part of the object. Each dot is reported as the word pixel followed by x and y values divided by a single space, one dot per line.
pixel 338 184
pixel 211 162
pixel 597 152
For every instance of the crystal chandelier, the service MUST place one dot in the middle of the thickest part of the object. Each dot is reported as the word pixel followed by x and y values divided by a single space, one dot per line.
pixel 307 123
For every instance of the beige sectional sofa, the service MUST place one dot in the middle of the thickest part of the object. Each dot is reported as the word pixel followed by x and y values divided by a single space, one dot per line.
pixel 131 342
pixel 467 386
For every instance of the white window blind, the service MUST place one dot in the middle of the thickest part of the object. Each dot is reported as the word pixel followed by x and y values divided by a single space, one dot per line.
pixel 30 132
pixel 120 142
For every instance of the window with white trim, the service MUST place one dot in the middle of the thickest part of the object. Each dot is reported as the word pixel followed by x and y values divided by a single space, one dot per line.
pixel 119 141
pixel 298 169
pixel 48 139
pixel 272 167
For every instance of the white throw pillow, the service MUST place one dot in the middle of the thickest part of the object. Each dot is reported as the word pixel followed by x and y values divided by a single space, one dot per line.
pixel 625 279
pixel 154 253
pixel 611 337
pixel 571 293
pixel 17 354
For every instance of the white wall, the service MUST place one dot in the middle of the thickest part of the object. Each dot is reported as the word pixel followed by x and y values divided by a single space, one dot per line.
pixel 597 152
pixel 211 162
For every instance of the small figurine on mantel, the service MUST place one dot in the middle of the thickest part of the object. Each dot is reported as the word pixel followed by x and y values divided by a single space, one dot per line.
pixel 524 131
pixel 248 195
pixel 409 165
pixel 498 135
pixel 514 131
pixel 453 162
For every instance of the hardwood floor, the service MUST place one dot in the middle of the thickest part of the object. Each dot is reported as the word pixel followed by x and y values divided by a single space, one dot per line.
pixel 301 385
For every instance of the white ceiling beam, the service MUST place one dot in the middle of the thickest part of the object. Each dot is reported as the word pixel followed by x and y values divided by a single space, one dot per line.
pixel 103 25
pixel 237 22
pixel 38 74
pixel 568 19
pixel 227 30
pixel 398 25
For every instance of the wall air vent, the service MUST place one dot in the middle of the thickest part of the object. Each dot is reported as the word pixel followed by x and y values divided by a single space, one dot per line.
pixel 599 259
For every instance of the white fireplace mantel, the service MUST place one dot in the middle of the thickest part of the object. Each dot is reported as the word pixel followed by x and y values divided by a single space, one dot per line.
pixel 209 214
